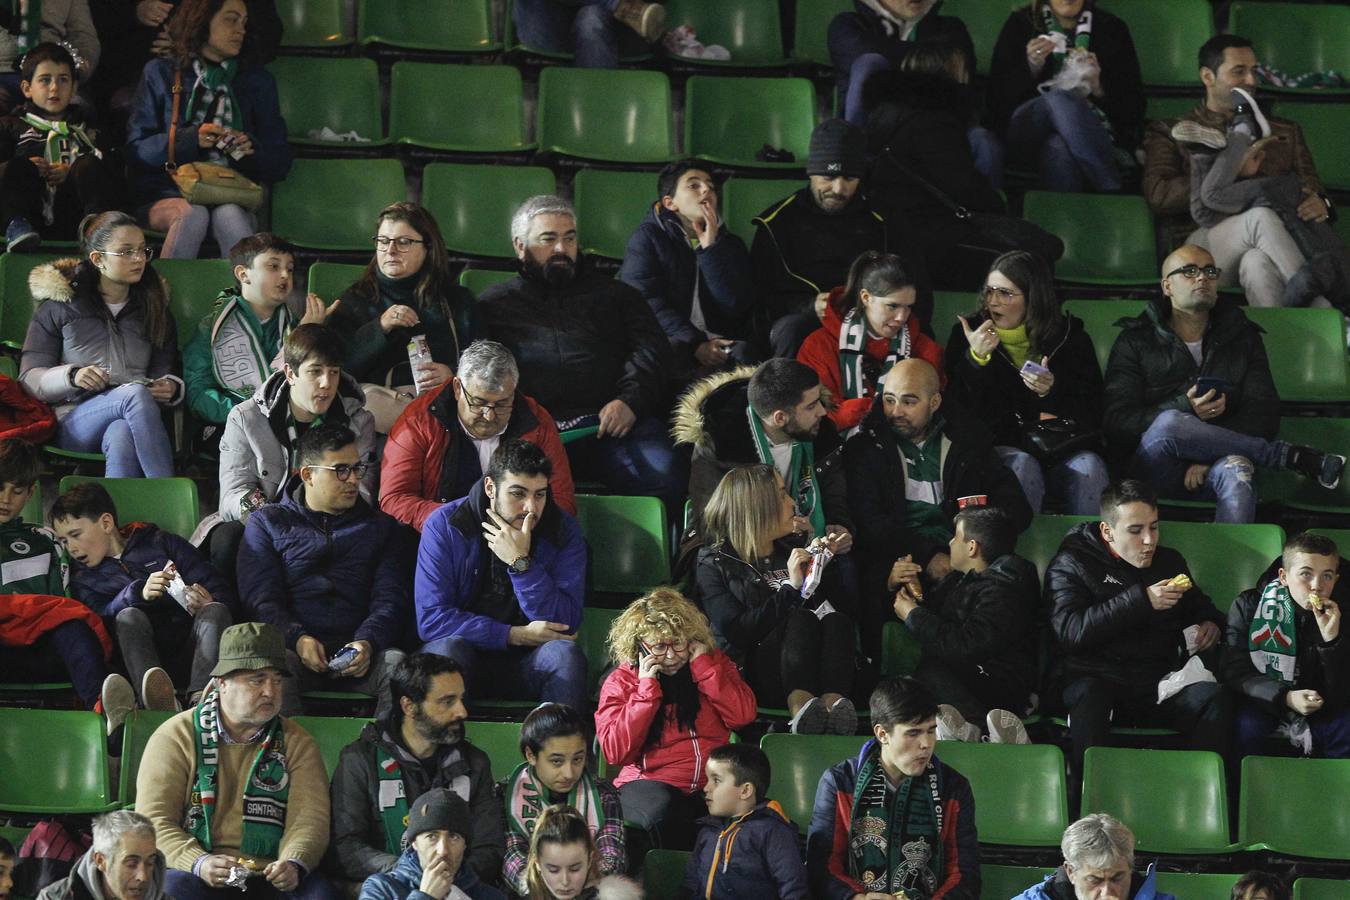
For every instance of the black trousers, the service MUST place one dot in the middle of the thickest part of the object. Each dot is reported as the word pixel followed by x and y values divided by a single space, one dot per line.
pixel 664 816
pixel 970 691
pixel 804 653
pixel 89 188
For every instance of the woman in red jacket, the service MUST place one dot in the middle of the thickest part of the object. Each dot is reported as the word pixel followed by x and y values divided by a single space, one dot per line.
pixel 672 698
pixel 868 325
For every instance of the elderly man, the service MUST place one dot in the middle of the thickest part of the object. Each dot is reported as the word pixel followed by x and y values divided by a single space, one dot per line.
pixel 1189 393
pixel 122 864
pixel 440 447
pixel 237 793
pixel 590 350
pixel 1098 865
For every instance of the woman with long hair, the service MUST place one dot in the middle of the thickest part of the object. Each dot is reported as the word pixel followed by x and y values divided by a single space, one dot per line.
pixel 794 652
pixel 671 698
pixel 564 864
pixel 1019 361
pixel 103 350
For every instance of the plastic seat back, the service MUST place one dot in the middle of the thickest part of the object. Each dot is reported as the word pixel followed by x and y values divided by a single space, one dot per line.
pixel 1295 37
pixel 500 741
pixel 749 29
pixel 1325 126
pixel 1040 542
pixel 1099 321
pixel 473 204
pixel 797 762
pixel 593 639
pixel 728 120
pixel 744 198
pixel 16 302
pixel 1021 798
pixel 811 34
pixel 1174 800
pixel 170 503
pixel 329 280
pixel 55 761
pixel 331 733
pixel 947 305
pixel 479 280
pixel 447 26
pixel 663 873
pixel 350 100
pixel 135 735
pixel 1307 352
pixel 493 123
pixel 615 115
pixel 1166 32
pixel 332 204
pixel 1108 238
pixel 1311 889
pixel 1295 806
pixel 984 20
pixel 194 285
pixel 627 536
pixel 1299 492
pixel 1225 559
pixel 610 207
pixel 315 23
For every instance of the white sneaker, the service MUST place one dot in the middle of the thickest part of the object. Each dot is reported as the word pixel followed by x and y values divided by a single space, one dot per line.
pixel 1006 728
pixel 118 700
pixel 952 726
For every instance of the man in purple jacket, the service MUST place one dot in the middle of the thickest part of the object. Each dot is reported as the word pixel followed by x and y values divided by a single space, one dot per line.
pixel 501 578
pixel 328 571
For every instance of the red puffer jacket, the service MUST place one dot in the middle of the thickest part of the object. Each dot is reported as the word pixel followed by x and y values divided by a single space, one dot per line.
pixel 22 415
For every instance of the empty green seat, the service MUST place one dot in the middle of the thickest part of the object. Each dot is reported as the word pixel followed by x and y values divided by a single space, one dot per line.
pixel 493 123
pixel 1197 887
pixel 1167 34
pixel 593 639
pixel 1108 238
pixel 728 120
pixel 1173 800
pixel 194 285
pixel 749 29
pixel 55 761
pixel 317 92
pixel 1002 882
pixel 1021 798
pixel 446 26
pixel 329 280
pixel 797 762
pixel 811 35
pixel 627 536
pixel 314 23
pixel 331 733
pixel 663 873
pixel 332 204
pixel 610 206
pixel 170 503
pixel 1307 352
pixel 16 302
pixel 900 650
pixel 947 305
pixel 984 20
pixel 1295 37
pixel 479 280
pixel 1314 889
pixel 1295 806
pixel 1225 559
pixel 1099 321
pixel 1040 542
pixel 473 204
pixel 32 510
pixel 135 734
pixel 614 115
pixel 1325 126
pixel 744 198
pixel 1302 493
pixel 500 741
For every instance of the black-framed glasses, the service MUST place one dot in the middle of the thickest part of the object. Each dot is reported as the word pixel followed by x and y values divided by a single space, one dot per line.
pixel 147 252
pixel 343 471
pixel 1192 272
pixel 482 407
pixel 989 292
pixel 401 244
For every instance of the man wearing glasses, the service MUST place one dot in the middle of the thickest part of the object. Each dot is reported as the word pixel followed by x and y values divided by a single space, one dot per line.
pixel 323 567
pixel 1189 396
pixel 442 443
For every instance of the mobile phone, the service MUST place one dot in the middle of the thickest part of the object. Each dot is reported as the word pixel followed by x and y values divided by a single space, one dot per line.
pixel 342 659
pixel 1206 383
pixel 1034 368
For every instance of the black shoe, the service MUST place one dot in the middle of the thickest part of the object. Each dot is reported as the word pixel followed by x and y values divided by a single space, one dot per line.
pixel 1324 468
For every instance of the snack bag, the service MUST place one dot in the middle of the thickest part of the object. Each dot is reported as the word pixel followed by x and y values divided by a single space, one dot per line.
pixel 177 587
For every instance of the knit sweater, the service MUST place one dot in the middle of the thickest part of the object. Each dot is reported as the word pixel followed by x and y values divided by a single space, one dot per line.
pixel 167 775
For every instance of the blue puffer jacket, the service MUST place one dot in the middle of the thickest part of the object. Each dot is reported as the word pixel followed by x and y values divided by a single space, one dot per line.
pixel 665 268
pixel 1057 886
pixel 754 855
pixel 336 578
pixel 402 882
pixel 115 584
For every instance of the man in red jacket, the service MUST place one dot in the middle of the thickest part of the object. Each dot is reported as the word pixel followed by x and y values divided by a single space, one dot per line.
pixel 440 446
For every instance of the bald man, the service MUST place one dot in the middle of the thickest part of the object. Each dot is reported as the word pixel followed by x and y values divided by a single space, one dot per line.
pixel 1190 402
pixel 909 465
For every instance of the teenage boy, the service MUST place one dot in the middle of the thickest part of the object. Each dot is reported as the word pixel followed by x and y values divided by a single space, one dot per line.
pixel 54 173
pixel 746 843
pixel 167 605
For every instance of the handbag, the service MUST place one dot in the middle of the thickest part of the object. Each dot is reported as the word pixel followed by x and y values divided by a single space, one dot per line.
pixel 204 183
pixel 1052 441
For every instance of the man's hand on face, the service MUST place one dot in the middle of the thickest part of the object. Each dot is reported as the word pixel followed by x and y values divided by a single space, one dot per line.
pixel 437 879
pixel 507 542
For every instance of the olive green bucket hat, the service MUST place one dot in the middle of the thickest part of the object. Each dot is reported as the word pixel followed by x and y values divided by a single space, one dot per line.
pixel 251 645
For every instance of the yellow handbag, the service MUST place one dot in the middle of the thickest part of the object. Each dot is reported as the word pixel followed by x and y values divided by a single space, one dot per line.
pixel 203 183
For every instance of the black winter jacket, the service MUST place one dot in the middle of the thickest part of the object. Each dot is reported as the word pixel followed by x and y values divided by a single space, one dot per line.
pixel 581 345
pixel 1102 617
pixel 998 395
pixel 1150 370
pixel 851 34
pixel 743 606
pixel 876 483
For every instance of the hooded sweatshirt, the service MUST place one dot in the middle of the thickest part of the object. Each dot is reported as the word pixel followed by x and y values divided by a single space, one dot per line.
pixel 85 882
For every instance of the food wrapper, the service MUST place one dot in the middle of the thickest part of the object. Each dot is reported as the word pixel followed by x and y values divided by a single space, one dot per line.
pixel 1194 672
pixel 820 557
pixel 177 587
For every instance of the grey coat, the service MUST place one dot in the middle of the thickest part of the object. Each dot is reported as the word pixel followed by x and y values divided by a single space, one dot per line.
pixel 85 883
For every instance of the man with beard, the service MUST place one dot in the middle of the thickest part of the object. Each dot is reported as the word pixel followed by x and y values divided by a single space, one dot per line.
pixel 238 794
pixel 590 351
pixel 1189 395
pixel 417 746
pixel 501 578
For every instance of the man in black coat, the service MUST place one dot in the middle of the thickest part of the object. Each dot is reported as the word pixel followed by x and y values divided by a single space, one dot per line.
pixel 1122 626
pixel 589 350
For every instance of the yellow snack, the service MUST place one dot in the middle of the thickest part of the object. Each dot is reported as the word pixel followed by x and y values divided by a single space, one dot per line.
pixel 1182 581
pixel 1315 601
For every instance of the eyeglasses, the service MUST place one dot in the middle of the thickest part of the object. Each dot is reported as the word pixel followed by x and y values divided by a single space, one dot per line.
pixel 1193 272
pixel 483 407
pixel 147 252
pixel 665 647
pixel 344 471
pixel 401 244
pixel 990 292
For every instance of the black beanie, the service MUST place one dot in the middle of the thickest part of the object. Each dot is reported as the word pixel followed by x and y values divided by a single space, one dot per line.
pixel 836 150
pixel 438 810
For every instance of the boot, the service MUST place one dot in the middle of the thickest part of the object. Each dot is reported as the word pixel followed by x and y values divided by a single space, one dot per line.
pixel 647 19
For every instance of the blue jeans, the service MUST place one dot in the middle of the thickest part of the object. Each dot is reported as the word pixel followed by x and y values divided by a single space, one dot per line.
pixel 124 424
pixel 591 31
pixel 864 67
pixel 1061 135
pixel 642 463
pixel 1176 440
pixel 182 885
pixel 1077 482
pixel 550 673
pixel 1330 731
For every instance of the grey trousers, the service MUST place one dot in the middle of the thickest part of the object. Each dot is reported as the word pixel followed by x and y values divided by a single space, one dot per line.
pixel 146 642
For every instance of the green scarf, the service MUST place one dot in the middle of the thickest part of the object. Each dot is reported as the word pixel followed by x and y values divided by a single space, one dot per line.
pixel 393 800
pixel 801 472
pixel 213 94
pixel 265 794
pixel 65 141
pixel 241 358
pixel 1079 40
pixel 853 334
pixel 526 799
pixel 900 847
pixel 1272 637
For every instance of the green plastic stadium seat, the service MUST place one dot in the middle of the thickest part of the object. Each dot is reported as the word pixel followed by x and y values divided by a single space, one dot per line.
pixel 329 280
pixel 1169 107
pixel 1197 887
pixel 1325 126
pixel 810 37
pixel 798 761
pixel 1002 882
pixel 744 198
pixel 1295 37
pixel 1309 347
pixel 332 204
pixel 900 650
pixel 474 203
pixel 593 639
pixel 1167 33
pixel 419 115
pixel 500 741
pixel 613 115
pixel 610 206
pixel 1099 320
pixel 446 26
pixel 1312 889
pixel 728 120
pixel 663 872
pixel 16 303
pixel 1108 238
pixel 1299 492
pixel 194 285
pixel 32 510
pixel 749 29
pixel 350 100
pixel 1021 798
pixel 135 734
pixel 9 367
pixel 479 280
pixel 1225 559
pixel 170 503
pixel 947 305
pixel 331 733
pixel 1040 542
pixel 315 23
pixel 627 535
pixel 1174 800
pixel 984 20
pixel 1292 806
pixel 72 774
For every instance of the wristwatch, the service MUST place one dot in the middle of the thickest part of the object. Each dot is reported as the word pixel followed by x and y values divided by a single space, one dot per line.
pixel 521 565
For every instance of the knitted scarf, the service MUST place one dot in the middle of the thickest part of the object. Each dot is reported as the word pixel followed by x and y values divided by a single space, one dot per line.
pixel 393 799
pixel 213 94
pixel 801 472
pixel 900 847
pixel 65 140
pixel 526 799
pixel 1272 637
pixel 265 794
pixel 1079 40
pixel 852 346
pixel 239 359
